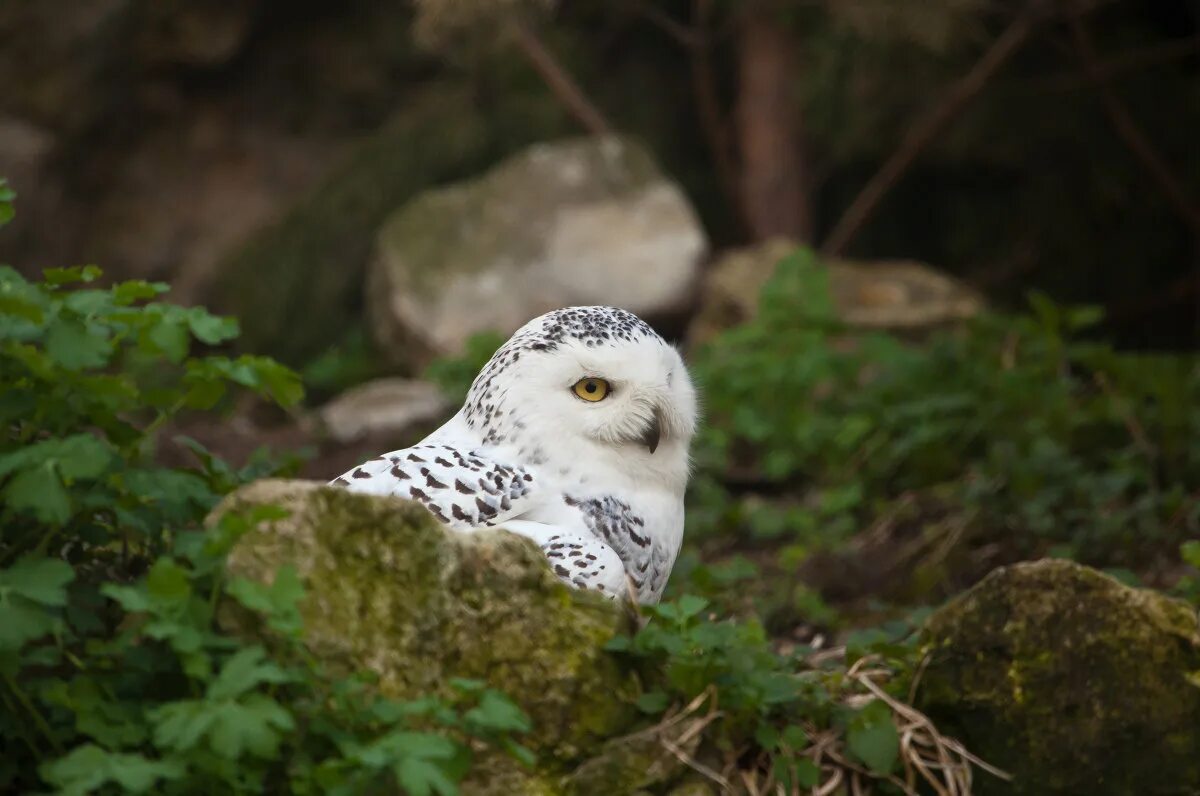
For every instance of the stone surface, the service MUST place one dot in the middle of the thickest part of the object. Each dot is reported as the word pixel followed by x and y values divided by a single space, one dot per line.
pixel 895 295
pixel 383 406
pixel 634 764
pixel 1069 680
pixel 389 589
pixel 582 221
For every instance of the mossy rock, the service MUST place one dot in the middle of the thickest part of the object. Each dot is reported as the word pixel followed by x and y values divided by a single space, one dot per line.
pixel 1070 680
pixel 390 590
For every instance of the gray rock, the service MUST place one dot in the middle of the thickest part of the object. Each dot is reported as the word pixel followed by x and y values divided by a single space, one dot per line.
pixel 389 589
pixel 583 221
pixel 895 295
pixel 383 406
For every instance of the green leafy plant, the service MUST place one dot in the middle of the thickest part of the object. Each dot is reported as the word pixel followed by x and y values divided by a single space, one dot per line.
pixel 1189 585
pixel 1037 436
pixel 455 374
pixel 800 718
pixel 116 675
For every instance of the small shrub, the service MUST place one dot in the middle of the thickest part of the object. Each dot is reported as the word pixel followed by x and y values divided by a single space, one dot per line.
pixel 1038 435
pixel 454 374
pixel 114 674
pixel 794 719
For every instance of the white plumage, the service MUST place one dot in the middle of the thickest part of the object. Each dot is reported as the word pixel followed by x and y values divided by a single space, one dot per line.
pixel 596 482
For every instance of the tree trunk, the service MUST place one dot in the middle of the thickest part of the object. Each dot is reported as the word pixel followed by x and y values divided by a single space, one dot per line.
pixel 773 171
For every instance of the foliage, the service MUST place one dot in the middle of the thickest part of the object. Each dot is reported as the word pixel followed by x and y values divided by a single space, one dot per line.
pixel 796 716
pixel 455 374
pixel 115 675
pixel 1189 585
pixel 349 362
pixel 1036 435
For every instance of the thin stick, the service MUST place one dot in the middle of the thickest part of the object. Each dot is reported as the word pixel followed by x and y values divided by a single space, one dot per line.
pixel 1127 129
pixel 925 130
pixel 559 81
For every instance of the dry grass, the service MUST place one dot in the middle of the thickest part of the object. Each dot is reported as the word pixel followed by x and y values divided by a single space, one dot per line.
pixel 931 761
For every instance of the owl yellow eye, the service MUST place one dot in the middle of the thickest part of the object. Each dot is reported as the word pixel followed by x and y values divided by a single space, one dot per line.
pixel 591 389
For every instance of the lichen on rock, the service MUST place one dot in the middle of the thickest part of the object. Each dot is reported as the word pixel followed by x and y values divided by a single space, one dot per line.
pixel 390 590
pixel 1070 680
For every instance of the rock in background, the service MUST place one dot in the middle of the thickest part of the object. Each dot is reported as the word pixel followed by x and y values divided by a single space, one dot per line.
pixel 584 221
pixel 1070 680
pixel 900 296
pixel 391 407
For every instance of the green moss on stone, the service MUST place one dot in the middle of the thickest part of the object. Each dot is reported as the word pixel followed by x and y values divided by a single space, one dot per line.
pixel 632 764
pixel 390 590
pixel 1070 680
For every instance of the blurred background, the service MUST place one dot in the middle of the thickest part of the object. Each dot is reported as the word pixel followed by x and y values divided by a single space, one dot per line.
pixel 377 190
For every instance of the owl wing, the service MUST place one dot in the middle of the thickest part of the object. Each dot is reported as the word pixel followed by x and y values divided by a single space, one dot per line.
pixel 646 557
pixel 464 488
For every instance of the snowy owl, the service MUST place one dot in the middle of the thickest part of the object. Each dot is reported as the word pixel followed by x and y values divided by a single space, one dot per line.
pixel 575 434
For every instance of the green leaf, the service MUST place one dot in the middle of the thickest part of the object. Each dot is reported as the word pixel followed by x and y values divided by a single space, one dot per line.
pixel 21 621
pixel 170 339
pixel 88 768
pixel 1190 552
pixel 653 702
pixel 421 777
pixel 247 669
pixel 167 583
pixel 132 598
pixel 41 580
pixel 253 724
pixel 40 492
pixel 6 198
pixel 690 605
pixel 76 456
pixel 807 773
pixel 127 293
pixel 78 273
pixel 794 737
pixel 211 329
pixel 279 602
pixel 872 737
pixel 78 346
pixel 496 712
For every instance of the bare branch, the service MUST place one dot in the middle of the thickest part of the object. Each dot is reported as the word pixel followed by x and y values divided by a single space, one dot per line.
pixel 680 33
pixel 559 81
pixel 1127 129
pixel 926 129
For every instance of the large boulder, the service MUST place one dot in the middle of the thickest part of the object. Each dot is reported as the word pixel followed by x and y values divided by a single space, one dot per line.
pixel 391 590
pixel 583 221
pixel 901 296
pixel 1070 680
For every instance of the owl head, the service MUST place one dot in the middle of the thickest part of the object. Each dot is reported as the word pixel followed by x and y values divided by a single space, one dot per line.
pixel 592 380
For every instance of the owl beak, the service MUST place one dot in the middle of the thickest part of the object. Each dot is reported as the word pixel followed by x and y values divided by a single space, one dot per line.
pixel 653 433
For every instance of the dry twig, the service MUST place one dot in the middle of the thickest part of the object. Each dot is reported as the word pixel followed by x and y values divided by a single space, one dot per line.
pixel 926 129
pixel 560 83
pixel 1124 125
